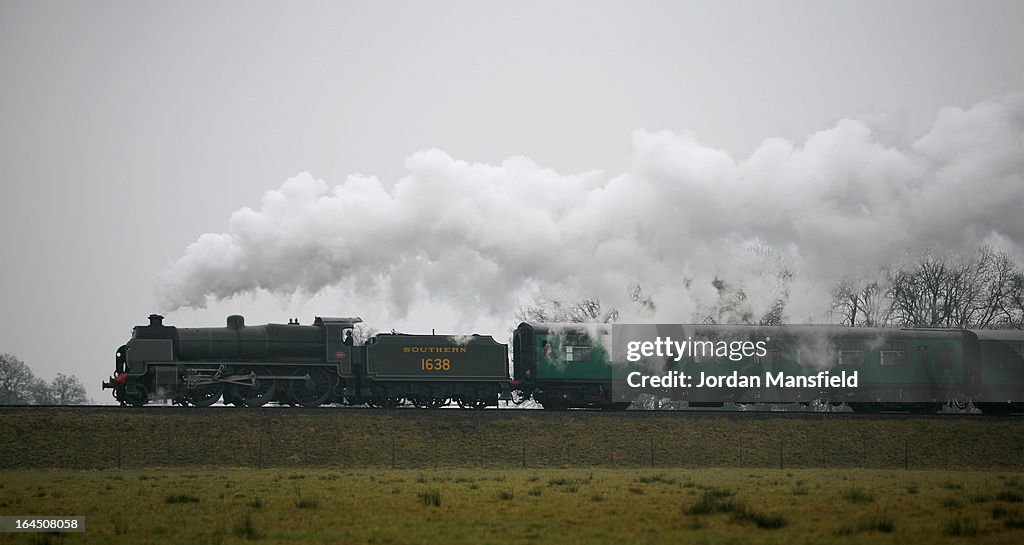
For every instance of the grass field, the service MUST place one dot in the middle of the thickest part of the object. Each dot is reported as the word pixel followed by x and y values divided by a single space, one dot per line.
pixel 592 506
pixel 450 477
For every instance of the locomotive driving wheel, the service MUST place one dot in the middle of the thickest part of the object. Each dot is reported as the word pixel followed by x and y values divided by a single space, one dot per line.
pixel 204 395
pixel 137 395
pixel 519 397
pixel 314 389
pixel 259 392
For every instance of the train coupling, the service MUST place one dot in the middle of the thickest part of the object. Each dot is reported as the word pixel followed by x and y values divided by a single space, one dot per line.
pixel 116 383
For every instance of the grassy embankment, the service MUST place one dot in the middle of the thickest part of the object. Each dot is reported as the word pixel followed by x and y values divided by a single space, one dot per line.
pixel 499 439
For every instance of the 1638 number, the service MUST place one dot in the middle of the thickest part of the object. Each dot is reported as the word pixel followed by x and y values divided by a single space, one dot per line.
pixel 435 364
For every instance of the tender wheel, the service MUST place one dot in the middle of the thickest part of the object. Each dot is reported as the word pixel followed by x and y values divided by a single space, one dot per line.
pixel 260 392
pixel 205 395
pixel 421 402
pixel 314 390
pixel 438 402
pixel 470 402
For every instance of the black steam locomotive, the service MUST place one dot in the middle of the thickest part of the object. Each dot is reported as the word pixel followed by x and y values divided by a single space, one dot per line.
pixel 307 365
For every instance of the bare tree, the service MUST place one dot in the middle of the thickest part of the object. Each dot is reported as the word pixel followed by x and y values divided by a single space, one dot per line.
pixel 548 309
pixel 587 310
pixel 1001 295
pixel 929 290
pixel 65 390
pixel 734 307
pixel 864 305
pixel 645 302
pixel 16 381
pixel 1011 307
pixel 40 393
pixel 361 333
pixel 18 386
pixel 731 306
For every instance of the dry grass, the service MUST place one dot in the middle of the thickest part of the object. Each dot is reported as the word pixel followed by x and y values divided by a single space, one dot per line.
pixel 592 506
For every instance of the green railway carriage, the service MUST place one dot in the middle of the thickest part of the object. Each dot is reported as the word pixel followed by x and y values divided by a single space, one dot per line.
pixel 568 365
pixel 307 365
pixel 998 370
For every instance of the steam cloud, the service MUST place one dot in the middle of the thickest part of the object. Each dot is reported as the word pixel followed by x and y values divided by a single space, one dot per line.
pixel 479 237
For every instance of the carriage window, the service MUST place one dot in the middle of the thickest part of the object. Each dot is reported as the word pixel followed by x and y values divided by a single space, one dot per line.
pixel 1015 357
pixel 577 353
pixel 996 356
pixel 922 354
pixel 894 353
pixel 577 347
pixel 851 357
pixel 851 353
pixel 945 356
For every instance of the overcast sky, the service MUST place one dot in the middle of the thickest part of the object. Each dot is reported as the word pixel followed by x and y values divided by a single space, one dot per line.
pixel 128 130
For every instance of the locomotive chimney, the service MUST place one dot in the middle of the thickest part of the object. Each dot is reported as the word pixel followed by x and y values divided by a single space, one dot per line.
pixel 236 321
pixel 156 320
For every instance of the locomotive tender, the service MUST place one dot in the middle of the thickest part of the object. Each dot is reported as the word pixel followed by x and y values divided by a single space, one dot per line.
pixel 558 365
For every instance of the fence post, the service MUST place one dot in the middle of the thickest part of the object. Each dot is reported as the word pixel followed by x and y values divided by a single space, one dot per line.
pixel 524 451
pixel 863 452
pixel 739 449
pixel 782 446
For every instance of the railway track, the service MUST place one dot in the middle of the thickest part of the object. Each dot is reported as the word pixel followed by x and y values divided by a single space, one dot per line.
pixel 509 411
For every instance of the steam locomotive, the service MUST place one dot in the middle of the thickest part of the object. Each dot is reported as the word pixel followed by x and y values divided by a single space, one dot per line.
pixel 560 366
pixel 307 365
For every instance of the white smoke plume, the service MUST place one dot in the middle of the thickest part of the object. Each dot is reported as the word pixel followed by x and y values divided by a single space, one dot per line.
pixel 480 237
